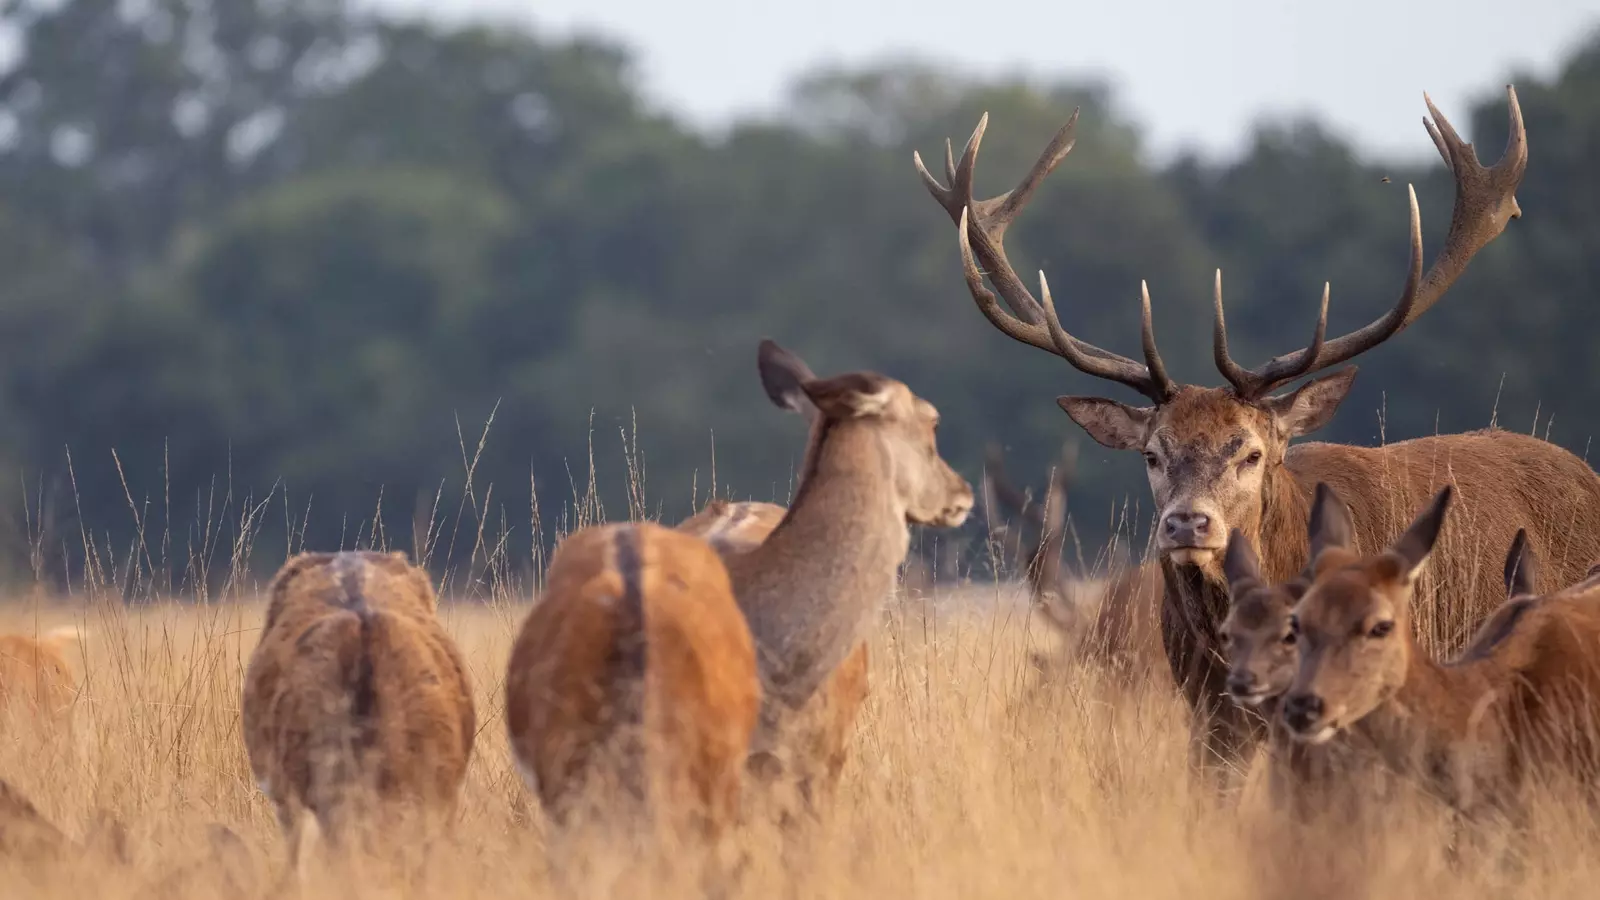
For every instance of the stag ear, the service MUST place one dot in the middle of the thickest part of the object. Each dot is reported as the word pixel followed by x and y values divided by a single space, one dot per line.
pixel 1329 525
pixel 1310 406
pixel 1520 567
pixel 1411 551
pixel 782 376
pixel 1240 564
pixel 852 396
pixel 1112 424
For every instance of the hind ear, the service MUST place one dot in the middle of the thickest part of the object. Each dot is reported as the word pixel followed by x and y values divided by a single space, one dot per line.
pixel 1520 567
pixel 1240 563
pixel 783 375
pixel 1329 525
pixel 853 396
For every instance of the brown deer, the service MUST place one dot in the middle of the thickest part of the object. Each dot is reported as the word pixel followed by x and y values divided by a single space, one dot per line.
pixel 356 702
pixel 631 692
pixel 1521 701
pixel 735 528
pixel 1219 458
pixel 1111 619
pixel 813 589
pixel 37 685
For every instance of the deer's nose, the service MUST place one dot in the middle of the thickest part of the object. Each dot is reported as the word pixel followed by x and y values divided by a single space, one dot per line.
pixel 1187 522
pixel 1302 711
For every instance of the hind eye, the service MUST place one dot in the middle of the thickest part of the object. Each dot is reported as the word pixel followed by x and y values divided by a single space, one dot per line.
pixel 1151 460
pixel 1289 638
pixel 1253 458
pixel 1381 630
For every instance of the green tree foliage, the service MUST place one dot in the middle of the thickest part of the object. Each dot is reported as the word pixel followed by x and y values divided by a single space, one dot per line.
pixel 279 249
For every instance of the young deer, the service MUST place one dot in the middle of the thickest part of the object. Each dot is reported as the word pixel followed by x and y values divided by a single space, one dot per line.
pixel 1220 458
pixel 356 702
pixel 1522 699
pixel 37 687
pixel 813 589
pixel 1116 627
pixel 736 528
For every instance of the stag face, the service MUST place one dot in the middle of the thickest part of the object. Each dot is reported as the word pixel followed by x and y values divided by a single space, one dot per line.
pixel 1209 455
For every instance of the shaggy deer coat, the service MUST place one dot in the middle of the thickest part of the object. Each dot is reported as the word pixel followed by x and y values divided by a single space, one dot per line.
pixel 356 701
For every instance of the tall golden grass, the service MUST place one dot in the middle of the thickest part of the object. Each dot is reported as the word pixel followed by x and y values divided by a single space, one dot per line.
pixel 970 776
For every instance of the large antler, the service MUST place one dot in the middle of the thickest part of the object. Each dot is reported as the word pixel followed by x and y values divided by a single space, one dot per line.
pixel 984 222
pixel 1485 202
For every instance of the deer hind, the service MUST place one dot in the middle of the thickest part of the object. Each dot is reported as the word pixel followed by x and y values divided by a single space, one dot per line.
pixel 1520 700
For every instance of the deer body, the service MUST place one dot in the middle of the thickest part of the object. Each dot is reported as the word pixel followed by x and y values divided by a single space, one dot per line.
pixel 812 590
pixel 37 686
pixel 828 719
pixel 356 701
pixel 1523 699
pixel 632 684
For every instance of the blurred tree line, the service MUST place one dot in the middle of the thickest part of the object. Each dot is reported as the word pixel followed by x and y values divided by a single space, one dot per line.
pixel 290 253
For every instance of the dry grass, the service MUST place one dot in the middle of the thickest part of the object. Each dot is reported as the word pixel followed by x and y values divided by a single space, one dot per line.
pixel 969 778
pixel 968 781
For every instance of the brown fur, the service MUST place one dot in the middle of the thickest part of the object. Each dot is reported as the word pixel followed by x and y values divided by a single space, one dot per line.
pixel 636 673
pixel 356 701
pixel 812 590
pixel 1523 703
pixel 830 716
pixel 1201 443
pixel 36 679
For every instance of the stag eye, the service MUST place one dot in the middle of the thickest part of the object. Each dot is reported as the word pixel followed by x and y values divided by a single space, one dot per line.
pixel 1151 460
pixel 1381 630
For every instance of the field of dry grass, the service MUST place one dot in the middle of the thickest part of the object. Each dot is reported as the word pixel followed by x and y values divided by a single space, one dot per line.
pixel 970 779
pixel 971 776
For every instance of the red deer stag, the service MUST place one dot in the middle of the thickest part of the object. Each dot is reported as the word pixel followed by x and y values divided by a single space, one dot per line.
pixel 1111 619
pixel 356 702
pixel 1219 458
pixel 736 528
pixel 1522 701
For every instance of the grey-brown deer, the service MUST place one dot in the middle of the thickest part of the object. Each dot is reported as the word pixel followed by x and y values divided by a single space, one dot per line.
pixel 813 589
pixel 1109 619
pixel 1521 701
pixel 1219 458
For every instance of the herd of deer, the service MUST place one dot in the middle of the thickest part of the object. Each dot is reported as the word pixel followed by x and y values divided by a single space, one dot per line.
pixel 666 675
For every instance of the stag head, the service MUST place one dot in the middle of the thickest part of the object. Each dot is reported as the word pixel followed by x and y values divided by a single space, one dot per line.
pixel 1213 453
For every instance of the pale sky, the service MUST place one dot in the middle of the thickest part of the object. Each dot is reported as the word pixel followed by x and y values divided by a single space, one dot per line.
pixel 1191 73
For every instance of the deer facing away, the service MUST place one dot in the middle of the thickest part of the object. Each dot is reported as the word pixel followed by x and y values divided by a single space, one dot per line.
pixel 1220 458
pixel 356 702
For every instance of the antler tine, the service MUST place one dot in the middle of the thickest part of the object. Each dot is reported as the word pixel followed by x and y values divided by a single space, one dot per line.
pixel 1147 338
pixel 1092 360
pixel 1485 203
pixel 981 226
pixel 1237 375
